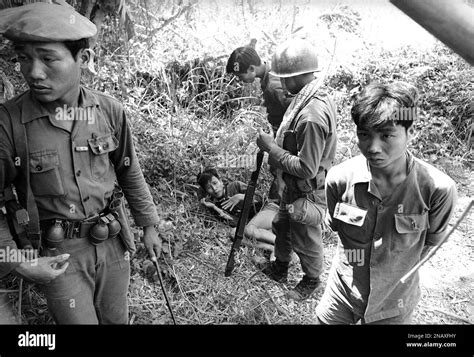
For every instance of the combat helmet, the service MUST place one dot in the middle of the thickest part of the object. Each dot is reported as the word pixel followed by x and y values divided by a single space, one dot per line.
pixel 294 57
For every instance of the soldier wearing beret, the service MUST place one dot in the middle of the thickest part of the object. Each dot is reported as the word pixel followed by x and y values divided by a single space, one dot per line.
pixel 81 162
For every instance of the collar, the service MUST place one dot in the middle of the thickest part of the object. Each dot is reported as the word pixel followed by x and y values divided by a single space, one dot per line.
pixel 363 174
pixel 362 171
pixel 32 109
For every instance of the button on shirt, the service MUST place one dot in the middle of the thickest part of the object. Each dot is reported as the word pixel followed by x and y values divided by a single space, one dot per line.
pixel 374 254
pixel 73 171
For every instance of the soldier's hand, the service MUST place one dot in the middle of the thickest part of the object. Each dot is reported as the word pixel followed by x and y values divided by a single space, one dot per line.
pixel 152 241
pixel 265 141
pixel 43 270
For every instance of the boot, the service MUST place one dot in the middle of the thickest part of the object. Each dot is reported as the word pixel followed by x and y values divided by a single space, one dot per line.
pixel 304 289
pixel 277 270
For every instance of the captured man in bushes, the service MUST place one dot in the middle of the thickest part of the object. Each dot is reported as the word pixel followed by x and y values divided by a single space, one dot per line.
pixel 389 210
pixel 68 151
pixel 304 150
pixel 226 200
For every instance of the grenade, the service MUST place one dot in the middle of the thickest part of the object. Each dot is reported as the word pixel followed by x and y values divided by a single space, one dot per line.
pixel 114 227
pixel 99 232
pixel 55 235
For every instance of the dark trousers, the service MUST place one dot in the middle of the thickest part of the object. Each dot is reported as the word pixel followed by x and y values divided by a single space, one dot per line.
pixel 298 227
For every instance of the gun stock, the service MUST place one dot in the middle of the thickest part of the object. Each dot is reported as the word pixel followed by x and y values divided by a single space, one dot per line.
pixel 244 214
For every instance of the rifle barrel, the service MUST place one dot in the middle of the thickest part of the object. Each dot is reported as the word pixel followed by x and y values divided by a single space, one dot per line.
pixel 244 214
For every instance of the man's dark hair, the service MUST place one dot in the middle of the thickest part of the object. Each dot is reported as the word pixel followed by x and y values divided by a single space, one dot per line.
pixel 378 103
pixel 241 59
pixel 75 46
pixel 205 176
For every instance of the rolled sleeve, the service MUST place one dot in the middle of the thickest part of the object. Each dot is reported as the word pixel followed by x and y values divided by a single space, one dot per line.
pixel 444 201
pixel 130 178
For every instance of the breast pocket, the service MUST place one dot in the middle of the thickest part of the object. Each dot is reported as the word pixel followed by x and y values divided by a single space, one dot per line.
pixel 409 228
pixel 100 149
pixel 45 174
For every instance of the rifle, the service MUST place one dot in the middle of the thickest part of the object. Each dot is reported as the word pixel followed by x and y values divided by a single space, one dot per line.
pixel 244 214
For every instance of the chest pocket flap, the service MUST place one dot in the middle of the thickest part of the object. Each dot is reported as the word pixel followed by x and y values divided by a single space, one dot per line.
pixel 411 223
pixel 103 144
pixel 45 174
pixel 100 147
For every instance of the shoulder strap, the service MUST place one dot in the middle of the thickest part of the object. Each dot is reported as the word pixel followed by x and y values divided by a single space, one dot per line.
pixel 296 119
pixel 20 143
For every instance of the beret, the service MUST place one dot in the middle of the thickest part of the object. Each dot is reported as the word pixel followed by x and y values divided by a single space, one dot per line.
pixel 43 22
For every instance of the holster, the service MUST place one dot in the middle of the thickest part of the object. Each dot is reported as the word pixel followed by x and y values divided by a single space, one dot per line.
pixel 125 234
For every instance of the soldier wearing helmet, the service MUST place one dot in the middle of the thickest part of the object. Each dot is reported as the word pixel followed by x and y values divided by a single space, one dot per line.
pixel 303 152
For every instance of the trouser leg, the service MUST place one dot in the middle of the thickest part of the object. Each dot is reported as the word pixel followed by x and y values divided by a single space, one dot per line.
pixel 70 296
pixel 94 287
pixel 281 229
pixel 112 282
pixel 307 243
pixel 305 232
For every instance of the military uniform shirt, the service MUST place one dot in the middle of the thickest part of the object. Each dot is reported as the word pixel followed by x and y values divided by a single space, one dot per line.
pixel 316 142
pixel 72 174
